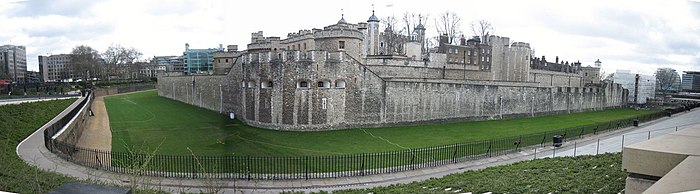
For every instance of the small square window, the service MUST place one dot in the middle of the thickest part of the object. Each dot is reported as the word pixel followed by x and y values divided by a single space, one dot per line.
pixel 303 85
pixel 341 45
pixel 323 84
pixel 340 84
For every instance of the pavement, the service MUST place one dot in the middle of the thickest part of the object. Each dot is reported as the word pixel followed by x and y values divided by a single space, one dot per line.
pixel 31 99
pixel 32 151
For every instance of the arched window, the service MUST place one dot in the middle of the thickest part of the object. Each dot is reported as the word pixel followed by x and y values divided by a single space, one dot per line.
pixel 303 85
pixel 339 83
pixel 324 84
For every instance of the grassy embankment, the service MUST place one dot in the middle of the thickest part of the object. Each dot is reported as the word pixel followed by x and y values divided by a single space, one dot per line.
pixel 145 119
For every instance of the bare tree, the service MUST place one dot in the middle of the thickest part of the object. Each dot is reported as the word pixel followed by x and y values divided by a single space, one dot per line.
pixel 409 20
pixel 482 28
pixel 118 59
pixel 449 23
pixel 667 80
pixel 83 61
pixel 392 36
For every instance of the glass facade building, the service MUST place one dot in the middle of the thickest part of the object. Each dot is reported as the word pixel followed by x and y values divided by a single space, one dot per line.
pixel 691 81
pixel 199 61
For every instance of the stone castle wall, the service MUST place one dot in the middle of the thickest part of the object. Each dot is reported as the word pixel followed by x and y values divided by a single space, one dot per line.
pixel 263 90
pixel 555 79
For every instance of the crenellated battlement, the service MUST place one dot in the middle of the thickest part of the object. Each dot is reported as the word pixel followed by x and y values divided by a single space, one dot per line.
pixel 339 33
pixel 521 44
pixel 293 56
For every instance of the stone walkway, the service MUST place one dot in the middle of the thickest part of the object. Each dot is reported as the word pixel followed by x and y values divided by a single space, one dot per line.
pixel 33 152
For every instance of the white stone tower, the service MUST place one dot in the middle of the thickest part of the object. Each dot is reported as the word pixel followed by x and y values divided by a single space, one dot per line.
pixel 372 39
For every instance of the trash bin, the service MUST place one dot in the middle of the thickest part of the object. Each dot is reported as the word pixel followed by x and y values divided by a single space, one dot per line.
pixel 557 140
pixel 668 113
pixel 635 123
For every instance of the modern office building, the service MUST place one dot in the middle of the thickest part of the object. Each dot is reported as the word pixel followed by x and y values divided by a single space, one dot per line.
pixel 13 63
pixel 171 63
pixel 55 68
pixel 691 81
pixel 199 61
pixel 641 87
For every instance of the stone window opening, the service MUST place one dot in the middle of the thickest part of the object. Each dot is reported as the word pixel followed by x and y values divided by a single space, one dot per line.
pixel 323 103
pixel 340 84
pixel 303 85
pixel 266 84
pixel 341 45
pixel 251 84
pixel 324 84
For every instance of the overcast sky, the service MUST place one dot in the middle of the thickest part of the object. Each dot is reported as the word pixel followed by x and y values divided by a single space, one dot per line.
pixel 635 35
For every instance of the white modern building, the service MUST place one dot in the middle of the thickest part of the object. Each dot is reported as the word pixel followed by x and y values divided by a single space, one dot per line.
pixel 640 88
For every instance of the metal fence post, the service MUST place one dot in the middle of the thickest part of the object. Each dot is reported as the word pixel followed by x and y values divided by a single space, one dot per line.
pixel 535 153
pixel 623 143
pixel 574 149
pixel 597 147
pixel 306 167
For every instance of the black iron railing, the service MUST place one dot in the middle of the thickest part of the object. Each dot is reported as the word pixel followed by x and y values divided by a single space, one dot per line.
pixel 310 167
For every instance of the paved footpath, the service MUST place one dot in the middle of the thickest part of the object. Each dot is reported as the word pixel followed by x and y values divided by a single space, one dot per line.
pixel 32 99
pixel 33 152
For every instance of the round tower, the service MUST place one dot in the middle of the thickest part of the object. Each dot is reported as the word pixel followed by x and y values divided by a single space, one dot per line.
pixel 372 39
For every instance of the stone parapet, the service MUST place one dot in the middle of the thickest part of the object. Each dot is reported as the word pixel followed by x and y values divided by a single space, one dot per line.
pixel 671 161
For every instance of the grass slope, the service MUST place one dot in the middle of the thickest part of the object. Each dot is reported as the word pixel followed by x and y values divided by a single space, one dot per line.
pixel 146 120
pixel 582 174
pixel 16 123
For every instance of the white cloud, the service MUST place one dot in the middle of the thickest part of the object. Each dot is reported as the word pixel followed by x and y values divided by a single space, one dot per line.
pixel 639 35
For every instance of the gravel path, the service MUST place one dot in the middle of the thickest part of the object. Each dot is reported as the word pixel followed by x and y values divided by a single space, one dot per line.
pixel 97 134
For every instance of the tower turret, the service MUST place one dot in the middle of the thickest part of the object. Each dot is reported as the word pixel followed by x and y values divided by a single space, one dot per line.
pixel 342 18
pixel 420 34
pixel 372 35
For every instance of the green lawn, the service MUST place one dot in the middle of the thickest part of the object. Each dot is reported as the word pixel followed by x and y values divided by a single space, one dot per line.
pixel 146 120
pixel 582 174
pixel 16 123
